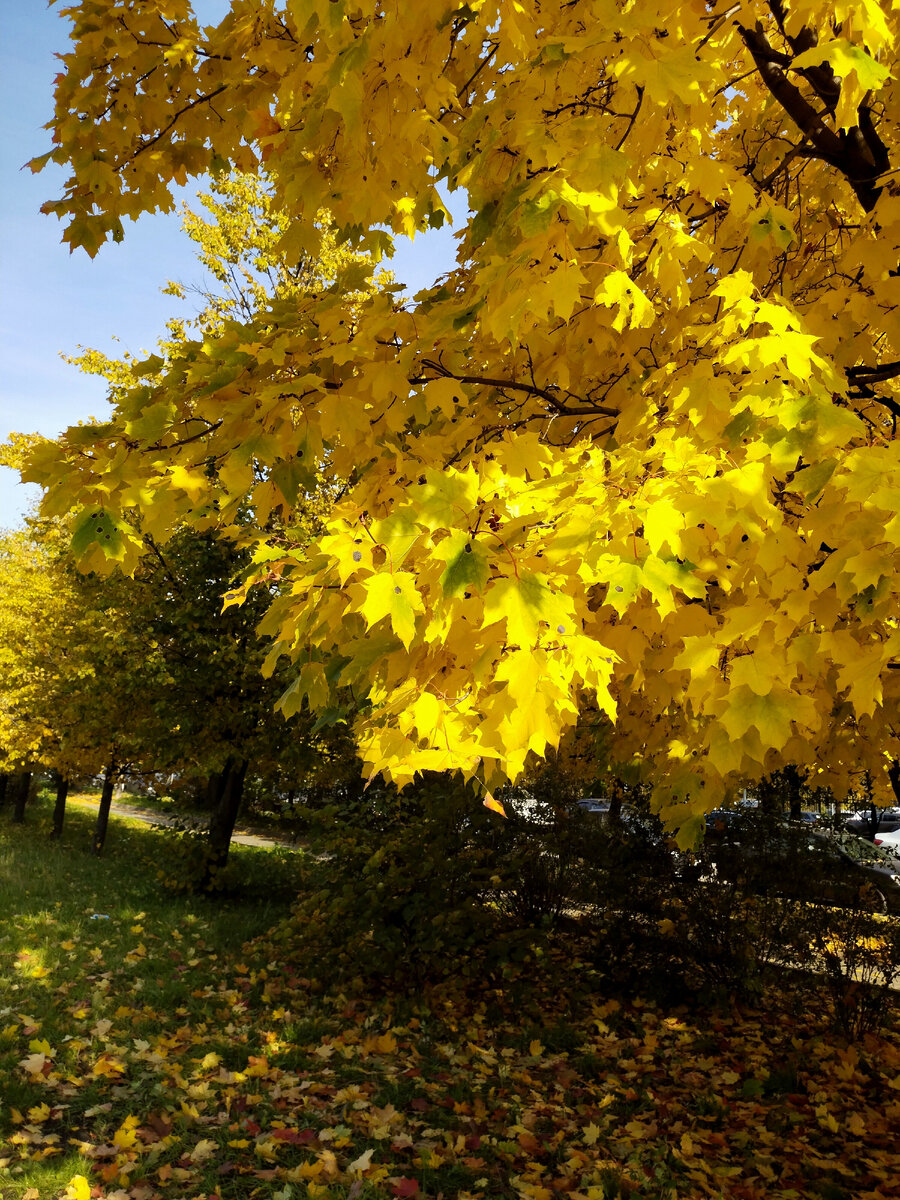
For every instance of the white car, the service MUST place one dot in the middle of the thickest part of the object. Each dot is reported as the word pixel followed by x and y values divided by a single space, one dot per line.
pixel 861 822
pixel 889 842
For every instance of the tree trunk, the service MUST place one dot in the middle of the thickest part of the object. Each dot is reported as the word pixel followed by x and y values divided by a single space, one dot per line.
pixel 3 782
pixel 614 816
pixel 874 820
pixel 221 825
pixel 792 780
pixel 767 795
pixel 59 810
pixel 21 788
pixel 874 811
pixel 213 790
pixel 106 796
pixel 894 777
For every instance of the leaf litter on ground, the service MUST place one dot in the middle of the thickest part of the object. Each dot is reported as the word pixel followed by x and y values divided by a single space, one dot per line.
pixel 146 1060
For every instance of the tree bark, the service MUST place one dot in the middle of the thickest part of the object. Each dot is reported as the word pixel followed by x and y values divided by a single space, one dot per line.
pixel 894 777
pixel 106 796
pixel 21 788
pixel 59 809
pixel 874 820
pixel 836 819
pixel 213 790
pixel 221 825
pixel 792 780
pixel 614 816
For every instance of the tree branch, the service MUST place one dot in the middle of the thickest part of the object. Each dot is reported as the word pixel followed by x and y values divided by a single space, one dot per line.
pixel 514 385
pixel 859 154
pixel 864 374
pixel 162 133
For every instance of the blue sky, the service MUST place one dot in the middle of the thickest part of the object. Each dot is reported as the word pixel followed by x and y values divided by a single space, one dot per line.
pixel 52 302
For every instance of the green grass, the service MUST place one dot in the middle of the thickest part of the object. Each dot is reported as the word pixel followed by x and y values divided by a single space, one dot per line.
pixel 85 938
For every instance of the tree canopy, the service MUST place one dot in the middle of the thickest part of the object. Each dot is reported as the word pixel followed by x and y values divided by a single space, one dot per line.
pixel 636 449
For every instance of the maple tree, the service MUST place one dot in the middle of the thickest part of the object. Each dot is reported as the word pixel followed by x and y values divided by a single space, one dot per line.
pixel 636 448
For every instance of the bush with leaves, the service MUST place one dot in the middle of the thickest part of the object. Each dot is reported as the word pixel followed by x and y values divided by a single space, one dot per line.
pixel 857 955
pixel 188 863
pixel 413 885
pixel 757 903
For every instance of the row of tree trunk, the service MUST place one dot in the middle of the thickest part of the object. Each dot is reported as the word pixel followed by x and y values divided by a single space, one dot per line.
pixel 226 791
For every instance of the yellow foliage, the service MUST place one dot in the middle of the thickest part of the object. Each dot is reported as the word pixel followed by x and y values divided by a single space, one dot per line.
pixel 640 436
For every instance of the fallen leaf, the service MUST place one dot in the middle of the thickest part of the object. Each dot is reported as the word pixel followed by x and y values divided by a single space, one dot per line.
pixel 404 1186
pixel 363 1162
pixel 78 1188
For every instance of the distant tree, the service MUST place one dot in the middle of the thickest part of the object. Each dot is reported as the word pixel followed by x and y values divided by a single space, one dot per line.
pixel 78 683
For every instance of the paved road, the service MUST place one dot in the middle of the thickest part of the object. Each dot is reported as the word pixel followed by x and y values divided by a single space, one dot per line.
pixel 151 817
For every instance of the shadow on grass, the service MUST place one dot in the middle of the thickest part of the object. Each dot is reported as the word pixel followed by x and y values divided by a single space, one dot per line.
pixel 58 903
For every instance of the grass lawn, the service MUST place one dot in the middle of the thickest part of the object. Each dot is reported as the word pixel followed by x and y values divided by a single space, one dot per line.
pixel 159 1047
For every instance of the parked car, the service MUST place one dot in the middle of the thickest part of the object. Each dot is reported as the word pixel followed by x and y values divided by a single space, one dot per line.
pixel 889 842
pixel 807 818
pixel 595 804
pixel 767 856
pixel 888 819
pixel 721 820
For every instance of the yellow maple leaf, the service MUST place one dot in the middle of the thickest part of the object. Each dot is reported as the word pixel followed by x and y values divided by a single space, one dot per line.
pixel 78 1188
pixel 394 595
pixel 204 1150
pixel 856 1125
pixel 620 291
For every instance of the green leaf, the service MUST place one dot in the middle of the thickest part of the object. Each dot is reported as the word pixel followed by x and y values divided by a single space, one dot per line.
pixel 624 580
pixel 771 715
pixel 153 422
pixel 811 481
pixel 292 479
pixel 774 222
pixel 845 59
pixel 467 563
pixel 688 835
pixel 97 527
pixel 446 498
pixel 483 222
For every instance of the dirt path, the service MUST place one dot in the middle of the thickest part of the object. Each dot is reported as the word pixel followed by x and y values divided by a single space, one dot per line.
pixel 151 817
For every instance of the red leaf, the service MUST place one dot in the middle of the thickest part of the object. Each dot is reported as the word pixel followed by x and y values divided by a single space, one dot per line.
pixel 296 1137
pixel 404 1187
